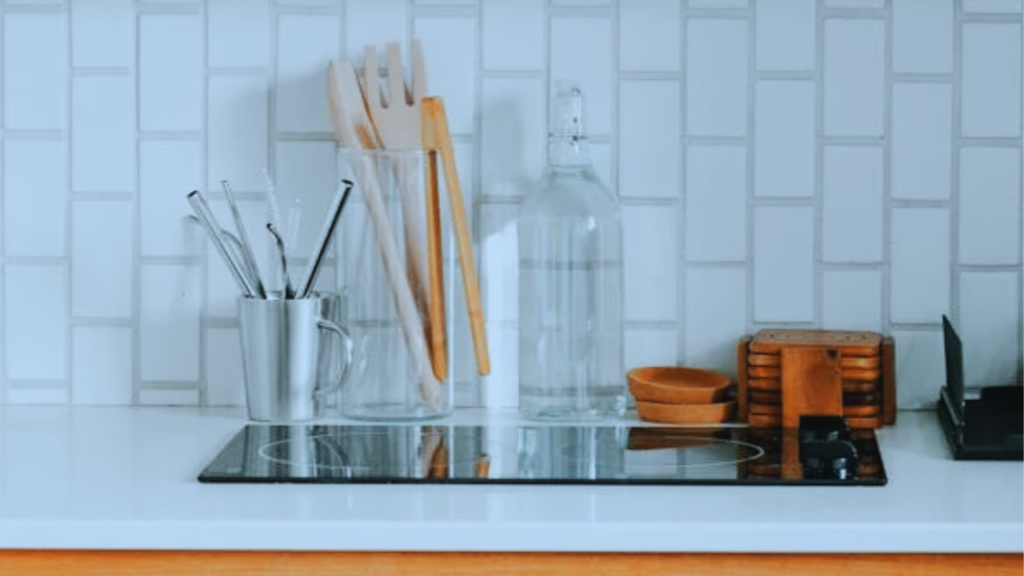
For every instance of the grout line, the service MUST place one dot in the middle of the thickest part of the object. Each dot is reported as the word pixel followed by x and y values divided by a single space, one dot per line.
pixel 817 200
pixel 953 305
pixel 682 345
pixel 204 171
pixel 69 214
pixel 3 241
pixel 750 181
pixel 887 195
pixel 136 291
pixel 475 186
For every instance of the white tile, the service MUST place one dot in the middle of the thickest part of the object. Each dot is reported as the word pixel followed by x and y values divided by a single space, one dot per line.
pixel 573 2
pixel 101 365
pixel 170 72
pixel 854 186
pixel 102 134
pixel 922 141
pixel 716 317
pixel 449 50
pixel 649 139
pixel 500 389
pixel 650 254
pixel 169 322
pixel 513 34
pixel 237 34
pixel 784 139
pixel 854 93
pixel 716 77
pixel 376 24
pixel 649 35
pixel 785 34
pixel 784 264
pixel 601 157
pixel 35 210
pixel 34 71
pixel 718 3
pixel 992 6
pixel 36 323
pixel 306 170
pixel 991 80
pixel 237 132
pixel 716 204
pixel 101 259
pixel 852 300
pixel 920 368
pixel 650 347
pixel 168 171
pixel 37 396
pixel 581 51
pixel 922 32
pixel 445 2
pixel 990 205
pixel 225 384
pixel 169 397
pixel 989 327
pixel 499 262
pixel 101 33
pixel 305 45
pixel 920 265
pixel 513 136
pixel 855 3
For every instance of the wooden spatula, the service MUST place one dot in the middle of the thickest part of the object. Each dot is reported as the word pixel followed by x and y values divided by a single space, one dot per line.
pixel 436 137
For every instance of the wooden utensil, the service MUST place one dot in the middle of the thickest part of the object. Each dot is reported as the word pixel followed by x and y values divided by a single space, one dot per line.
pixel 437 138
pixel 353 129
pixel 399 124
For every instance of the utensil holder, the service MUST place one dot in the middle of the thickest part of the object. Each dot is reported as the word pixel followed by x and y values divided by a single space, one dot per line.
pixel 401 321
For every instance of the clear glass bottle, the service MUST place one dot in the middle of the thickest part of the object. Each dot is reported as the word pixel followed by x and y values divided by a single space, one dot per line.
pixel 570 282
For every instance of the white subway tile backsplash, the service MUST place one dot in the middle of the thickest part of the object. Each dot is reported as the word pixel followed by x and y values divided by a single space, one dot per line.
pixel 852 300
pixel 990 206
pixel 922 36
pixel 225 385
pixel 859 4
pixel 170 72
pixel 783 264
pixel 715 317
pixel 716 77
pixel 37 396
pixel 34 194
pixel 237 33
pixel 512 135
pixel 34 71
pixel 101 367
pixel 601 157
pixel 305 46
pixel 784 139
pixel 920 368
pixel 102 33
pixel 449 53
pixel 168 171
pixel 581 51
pixel 922 141
pixel 716 200
pixel 1011 6
pixel 650 240
pixel 649 35
pixel 35 321
pixel 306 170
pixel 854 78
pixel 650 347
pixel 991 84
pixel 718 3
pixel 853 187
pixel 101 259
pixel 168 397
pixel 920 265
pixel 649 140
pixel 786 33
pixel 102 134
pixel 169 322
pixel 513 34
pixel 237 132
pixel 376 24
pixel 989 327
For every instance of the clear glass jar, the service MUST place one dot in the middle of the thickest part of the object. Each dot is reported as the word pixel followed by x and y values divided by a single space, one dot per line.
pixel 570 282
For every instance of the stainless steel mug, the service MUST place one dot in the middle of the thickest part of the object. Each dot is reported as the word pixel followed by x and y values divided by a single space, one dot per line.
pixel 288 358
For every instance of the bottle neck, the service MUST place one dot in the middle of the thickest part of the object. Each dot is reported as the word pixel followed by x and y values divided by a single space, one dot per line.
pixel 568 151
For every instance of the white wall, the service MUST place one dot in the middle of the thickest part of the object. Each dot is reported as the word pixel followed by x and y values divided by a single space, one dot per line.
pixel 829 163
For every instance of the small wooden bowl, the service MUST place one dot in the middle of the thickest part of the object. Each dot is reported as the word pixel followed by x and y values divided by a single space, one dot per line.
pixel 677 385
pixel 714 413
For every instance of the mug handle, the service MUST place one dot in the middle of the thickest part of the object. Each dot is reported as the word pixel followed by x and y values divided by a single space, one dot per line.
pixel 346 341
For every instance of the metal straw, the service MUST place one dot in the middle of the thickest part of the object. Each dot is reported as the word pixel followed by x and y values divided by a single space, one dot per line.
pixel 250 258
pixel 289 292
pixel 320 248
pixel 207 219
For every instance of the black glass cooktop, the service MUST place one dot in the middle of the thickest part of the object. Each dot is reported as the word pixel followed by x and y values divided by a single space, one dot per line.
pixel 821 452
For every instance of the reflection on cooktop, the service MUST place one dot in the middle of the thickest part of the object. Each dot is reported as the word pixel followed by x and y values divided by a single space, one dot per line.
pixel 617 455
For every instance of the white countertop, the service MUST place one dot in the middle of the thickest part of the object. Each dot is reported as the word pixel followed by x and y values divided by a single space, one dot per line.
pixel 125 478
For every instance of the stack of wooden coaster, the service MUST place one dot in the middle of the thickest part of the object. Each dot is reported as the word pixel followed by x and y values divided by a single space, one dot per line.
pixel 851 373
